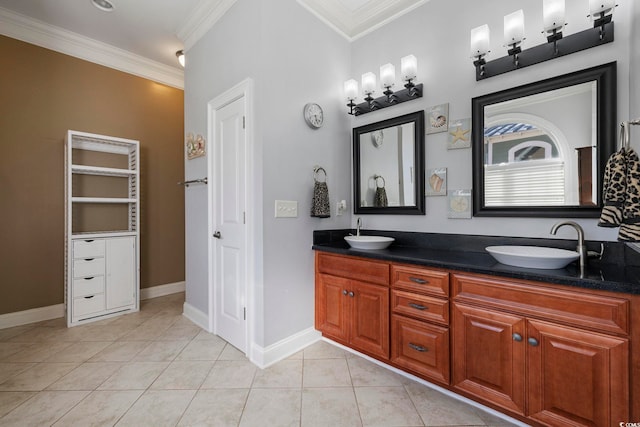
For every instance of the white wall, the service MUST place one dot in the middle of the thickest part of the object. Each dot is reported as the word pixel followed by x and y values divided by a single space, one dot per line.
pixel 438 34
pixel 293 59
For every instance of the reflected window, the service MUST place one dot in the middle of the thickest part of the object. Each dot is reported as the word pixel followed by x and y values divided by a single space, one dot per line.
pixel 524 166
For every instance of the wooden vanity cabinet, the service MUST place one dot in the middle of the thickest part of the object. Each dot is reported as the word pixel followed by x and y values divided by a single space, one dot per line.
pixel 420 321
pixel 554 356
pixel 349 309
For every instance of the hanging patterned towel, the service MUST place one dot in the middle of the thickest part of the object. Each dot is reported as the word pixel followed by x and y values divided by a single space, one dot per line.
pixel 630 227
pixel 614 189
pixel 320 207
pixel 380 199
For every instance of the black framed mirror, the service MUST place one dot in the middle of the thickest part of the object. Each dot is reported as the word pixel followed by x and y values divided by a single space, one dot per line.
pixel 388 166
pixel 539 150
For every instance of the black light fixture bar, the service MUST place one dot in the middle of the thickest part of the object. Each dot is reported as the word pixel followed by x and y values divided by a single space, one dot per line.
pixel 592 37
pixel 398 97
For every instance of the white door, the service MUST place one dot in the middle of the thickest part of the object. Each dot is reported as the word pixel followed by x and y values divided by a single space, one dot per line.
pixel 120 256
pixel 229 239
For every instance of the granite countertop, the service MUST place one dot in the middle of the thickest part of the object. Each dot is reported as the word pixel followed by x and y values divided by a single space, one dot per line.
pixel 617 271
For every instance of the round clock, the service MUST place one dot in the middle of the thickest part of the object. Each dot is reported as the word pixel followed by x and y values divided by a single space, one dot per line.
pixel 313 115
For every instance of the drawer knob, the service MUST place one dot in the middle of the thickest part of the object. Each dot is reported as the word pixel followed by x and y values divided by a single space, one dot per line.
pixel 344 292
pixel 351 294
pixel 533 342
pixel 418 280
pixel 417 347
pixel 418 306
pixel 517 337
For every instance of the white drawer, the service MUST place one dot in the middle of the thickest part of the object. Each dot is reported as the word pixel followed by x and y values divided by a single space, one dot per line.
pixel 87 305
pixel 87 248
pixel 88 267
pixel 88 286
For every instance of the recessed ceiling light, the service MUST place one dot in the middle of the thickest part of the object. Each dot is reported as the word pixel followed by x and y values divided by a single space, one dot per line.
pixel 104 5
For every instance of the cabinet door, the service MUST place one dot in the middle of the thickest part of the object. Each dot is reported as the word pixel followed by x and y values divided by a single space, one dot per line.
pixel 121 281
pixel 576 377
pixel 370 318
pixel 489 355
pixel 331 306
pixel 420 347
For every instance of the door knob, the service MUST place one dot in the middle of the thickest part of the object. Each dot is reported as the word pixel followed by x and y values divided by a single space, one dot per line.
pixel 217 235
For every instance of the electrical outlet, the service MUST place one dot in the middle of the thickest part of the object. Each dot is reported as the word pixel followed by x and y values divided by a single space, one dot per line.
pixel 286 209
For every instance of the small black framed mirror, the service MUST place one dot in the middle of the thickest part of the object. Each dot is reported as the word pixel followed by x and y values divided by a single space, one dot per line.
pixel 539 150
pixel 388 166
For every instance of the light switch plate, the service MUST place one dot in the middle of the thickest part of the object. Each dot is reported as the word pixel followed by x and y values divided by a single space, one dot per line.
pixel 286 209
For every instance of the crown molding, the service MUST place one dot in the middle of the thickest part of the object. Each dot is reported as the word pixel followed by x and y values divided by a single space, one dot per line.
pixel 36 32
pixel 203 17
pixel 353 24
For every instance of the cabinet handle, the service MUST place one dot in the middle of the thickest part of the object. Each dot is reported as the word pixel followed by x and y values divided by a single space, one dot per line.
pixel 419 348
pixel 418 306
pixel 88 240
pixel 533 342
pixel 517 337
pixel 89 297
pixel 418 280
pixel 351 294
pixel 344 292
pixel 89 278
pixel 89 259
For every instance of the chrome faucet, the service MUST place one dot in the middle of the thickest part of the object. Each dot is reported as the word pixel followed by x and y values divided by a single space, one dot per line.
pixel 358 225
pixel 581 248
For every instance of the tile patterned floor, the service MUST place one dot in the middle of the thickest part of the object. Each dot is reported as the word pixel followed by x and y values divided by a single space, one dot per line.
pixel 156 368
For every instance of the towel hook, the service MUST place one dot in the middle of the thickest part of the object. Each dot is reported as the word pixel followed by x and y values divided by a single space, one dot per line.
pixel 316 171
pixel 375 177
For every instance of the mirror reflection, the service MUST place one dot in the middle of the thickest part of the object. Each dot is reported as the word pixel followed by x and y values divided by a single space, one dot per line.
pixel 388 166
pixel 540 149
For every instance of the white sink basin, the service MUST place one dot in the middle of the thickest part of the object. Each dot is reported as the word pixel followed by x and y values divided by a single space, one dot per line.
pixel 533 256
pixel 369 242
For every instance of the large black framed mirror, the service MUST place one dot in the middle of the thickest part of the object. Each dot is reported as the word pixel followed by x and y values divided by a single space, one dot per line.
pixel 539 150
pixel 388 166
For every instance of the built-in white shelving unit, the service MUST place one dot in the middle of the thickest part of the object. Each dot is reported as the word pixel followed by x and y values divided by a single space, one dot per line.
pixel 102 235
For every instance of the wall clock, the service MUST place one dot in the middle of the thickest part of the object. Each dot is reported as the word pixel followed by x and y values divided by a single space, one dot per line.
pixel 313 115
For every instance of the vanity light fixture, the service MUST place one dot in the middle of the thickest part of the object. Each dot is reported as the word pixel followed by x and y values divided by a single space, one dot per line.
pixel 601 12
pixel 180 56
pixel 409 71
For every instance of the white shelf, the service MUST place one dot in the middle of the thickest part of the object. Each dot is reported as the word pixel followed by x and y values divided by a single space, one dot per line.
pixel 99 234
pixel 102 200
pixel 95 170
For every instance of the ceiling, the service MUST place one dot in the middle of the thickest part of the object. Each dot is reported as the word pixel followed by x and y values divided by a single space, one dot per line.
pixel 145 34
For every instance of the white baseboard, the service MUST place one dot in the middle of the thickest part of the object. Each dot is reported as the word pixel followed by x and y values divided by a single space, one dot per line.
pixel 162 290
pixel 39 314
pixel 196 316
pixel 264 357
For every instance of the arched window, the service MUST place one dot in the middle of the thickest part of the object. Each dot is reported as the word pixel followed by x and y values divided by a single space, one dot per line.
pixel 526 162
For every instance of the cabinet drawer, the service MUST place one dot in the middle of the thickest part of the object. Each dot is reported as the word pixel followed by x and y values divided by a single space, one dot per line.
pixel 585 310
pixel 88 267
pixel 421 348
pixel 88 286
pixel 420 306
pixel 88 248
pixel 353 268
pixel 420 280
pixel 87 305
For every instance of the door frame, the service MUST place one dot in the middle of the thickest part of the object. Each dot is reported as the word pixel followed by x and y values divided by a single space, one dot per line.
pixel 253 239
